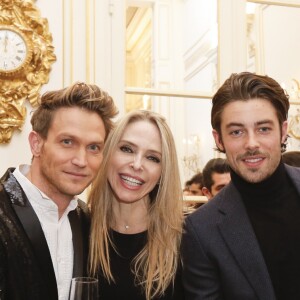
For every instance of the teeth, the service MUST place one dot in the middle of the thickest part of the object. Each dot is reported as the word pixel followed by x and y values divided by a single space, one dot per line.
pixel 131 181
pixel 253 160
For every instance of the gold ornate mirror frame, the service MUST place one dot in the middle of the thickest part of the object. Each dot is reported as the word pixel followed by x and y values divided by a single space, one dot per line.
pixel 15 88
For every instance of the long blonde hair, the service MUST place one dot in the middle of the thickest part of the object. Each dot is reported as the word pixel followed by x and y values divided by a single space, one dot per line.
pixel 156 264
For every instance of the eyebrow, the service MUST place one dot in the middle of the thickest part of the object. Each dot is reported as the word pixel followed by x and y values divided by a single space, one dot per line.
pixel 220 185
pixel 74 137
pixel 265 122
pixel 132 144
pixel 262 122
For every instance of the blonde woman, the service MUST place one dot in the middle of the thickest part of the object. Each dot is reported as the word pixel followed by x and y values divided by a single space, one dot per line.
pixel 137 212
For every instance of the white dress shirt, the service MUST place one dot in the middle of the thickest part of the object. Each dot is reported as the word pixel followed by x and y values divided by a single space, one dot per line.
pixel 57 230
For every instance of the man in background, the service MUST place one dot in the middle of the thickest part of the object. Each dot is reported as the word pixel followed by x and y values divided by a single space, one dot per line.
pixel 291 158
pixel 216 175
pixel 245 242
pixel 193 187
pixel 43 226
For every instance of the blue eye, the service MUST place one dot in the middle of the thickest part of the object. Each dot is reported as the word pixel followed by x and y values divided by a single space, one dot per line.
pixel 66 142
pixel 126 149
pixel 264 129
pixel 237 132
pixel 154 159
pixel 94 148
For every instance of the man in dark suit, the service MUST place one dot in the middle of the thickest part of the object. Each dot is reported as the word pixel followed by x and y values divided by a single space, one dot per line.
pixel 44 227
pixel 245 242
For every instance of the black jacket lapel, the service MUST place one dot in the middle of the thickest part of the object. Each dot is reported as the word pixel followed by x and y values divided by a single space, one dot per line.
pixel 39 244
pixel 34 232
pixel 77 243
pixel 240 238
pixel 79 221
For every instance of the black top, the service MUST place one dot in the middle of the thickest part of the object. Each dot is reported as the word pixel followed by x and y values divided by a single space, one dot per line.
pixel 128 246
pixel 273 207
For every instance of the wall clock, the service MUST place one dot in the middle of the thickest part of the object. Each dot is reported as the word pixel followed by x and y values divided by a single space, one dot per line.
pixel 26 56
pixel 15 49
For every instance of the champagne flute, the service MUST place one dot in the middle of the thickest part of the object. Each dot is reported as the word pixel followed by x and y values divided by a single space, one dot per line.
pixel 84 288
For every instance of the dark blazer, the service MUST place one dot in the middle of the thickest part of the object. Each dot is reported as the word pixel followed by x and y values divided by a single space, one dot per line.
pixel 220 252
pixel 26 270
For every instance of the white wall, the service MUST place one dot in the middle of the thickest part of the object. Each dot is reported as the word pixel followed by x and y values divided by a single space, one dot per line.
pixel 87 49
pixel 18 151
pixel 89 41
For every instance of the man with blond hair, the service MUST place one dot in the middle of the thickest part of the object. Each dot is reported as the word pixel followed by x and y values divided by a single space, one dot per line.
pixel 44 227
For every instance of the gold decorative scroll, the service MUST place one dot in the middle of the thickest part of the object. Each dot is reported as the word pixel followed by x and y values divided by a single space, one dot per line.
pixel 25 85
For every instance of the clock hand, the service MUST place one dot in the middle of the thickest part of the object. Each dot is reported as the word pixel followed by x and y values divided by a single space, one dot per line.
pixel 5 43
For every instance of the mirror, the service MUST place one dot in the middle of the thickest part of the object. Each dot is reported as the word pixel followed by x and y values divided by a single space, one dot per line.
pixel 170 46
pixel 138 55
pixel 273 43
pixel 171 51
pixel 273 49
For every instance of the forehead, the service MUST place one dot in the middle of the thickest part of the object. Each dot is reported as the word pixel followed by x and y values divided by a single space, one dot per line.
pixel 67 114
pixel 195 186
pixel 77 120
pixel 143 133
pixel 248 112
pixel 219 178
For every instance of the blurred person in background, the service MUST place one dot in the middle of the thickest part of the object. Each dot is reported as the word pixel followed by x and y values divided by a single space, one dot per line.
pixel 291 158
pixel 193 187
pixel 216 175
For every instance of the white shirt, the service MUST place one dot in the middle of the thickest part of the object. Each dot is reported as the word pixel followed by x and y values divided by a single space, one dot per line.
pixel 57 230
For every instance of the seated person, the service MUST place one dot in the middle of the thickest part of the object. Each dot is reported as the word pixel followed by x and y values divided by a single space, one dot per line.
pixel 291 158
pixel 216 174
pixel 193 187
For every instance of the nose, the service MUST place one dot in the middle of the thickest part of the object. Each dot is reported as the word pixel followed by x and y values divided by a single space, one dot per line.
pixel 137 163
pixel 252 142
pixel 80 158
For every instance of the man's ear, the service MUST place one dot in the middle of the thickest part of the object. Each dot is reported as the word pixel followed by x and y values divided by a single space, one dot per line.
pixel 36 143
pixel 206 192
pixel 218 140
pixel 284 131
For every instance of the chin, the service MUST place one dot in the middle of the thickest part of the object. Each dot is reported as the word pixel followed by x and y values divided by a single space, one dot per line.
pixel 129 201
pixel 255 179
pixel 73 191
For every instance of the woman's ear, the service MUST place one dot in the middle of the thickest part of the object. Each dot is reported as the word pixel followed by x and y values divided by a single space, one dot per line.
pixel 36 143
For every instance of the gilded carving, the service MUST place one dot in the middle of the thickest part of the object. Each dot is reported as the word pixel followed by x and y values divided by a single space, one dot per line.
pixel 23 68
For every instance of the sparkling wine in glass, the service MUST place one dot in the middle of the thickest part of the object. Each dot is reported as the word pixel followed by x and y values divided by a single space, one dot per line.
pixel 84 288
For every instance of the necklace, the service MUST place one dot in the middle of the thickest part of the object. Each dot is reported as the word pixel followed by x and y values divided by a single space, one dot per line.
pixel 130 227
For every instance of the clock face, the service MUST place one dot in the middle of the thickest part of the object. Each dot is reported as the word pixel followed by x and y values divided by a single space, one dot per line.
pixel 13 51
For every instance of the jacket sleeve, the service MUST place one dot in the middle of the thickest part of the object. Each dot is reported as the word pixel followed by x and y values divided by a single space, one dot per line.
pixel 200 274
pixel 3 271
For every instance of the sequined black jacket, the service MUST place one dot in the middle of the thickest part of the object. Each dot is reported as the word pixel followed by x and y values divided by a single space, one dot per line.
pixel 26 270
